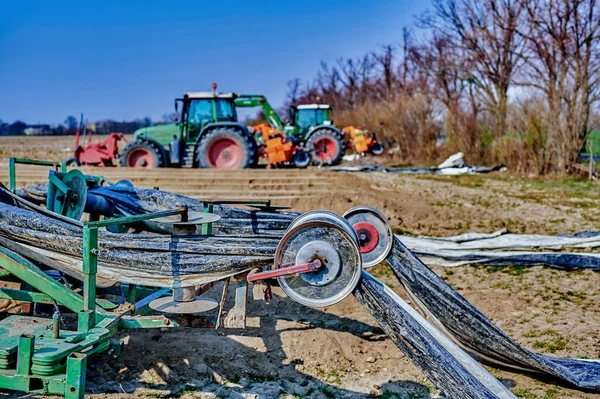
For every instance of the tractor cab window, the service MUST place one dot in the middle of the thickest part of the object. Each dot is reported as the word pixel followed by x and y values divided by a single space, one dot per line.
pixel 225 111
pixel 306 118
pixel 322 116
pixel 200 112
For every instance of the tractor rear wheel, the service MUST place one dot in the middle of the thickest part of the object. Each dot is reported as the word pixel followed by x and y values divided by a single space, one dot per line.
pixel 141 154
pixel 326 147
pixel 226 149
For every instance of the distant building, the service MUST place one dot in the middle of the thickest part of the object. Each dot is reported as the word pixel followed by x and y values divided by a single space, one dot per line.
pixel 38 130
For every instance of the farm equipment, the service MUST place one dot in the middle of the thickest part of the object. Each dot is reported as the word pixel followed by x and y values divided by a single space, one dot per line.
pixel 97 282
pixel 362 142
pixel 320 250
pixel 95 154
pixel 309 125
pixel 278 149
pixel 210 136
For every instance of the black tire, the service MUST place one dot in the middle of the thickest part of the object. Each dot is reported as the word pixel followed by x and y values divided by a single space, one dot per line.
pixel 334 138
pixel 72 162
pixel 301 159
pixel 246 152
pixel 377 149
pixel 154 157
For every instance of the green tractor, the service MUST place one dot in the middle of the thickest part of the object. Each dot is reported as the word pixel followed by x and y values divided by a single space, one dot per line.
pixel 310 125
pixel 209 134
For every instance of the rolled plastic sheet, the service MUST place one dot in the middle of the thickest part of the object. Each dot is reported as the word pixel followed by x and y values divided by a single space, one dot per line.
pixel 147 259
pixel 453 171
pixel 446 365
pixel 135 201
pixel 499 248
pixel 466 325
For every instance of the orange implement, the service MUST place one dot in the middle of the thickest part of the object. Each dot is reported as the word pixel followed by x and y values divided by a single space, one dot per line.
pixel 360 141
pixel 278 150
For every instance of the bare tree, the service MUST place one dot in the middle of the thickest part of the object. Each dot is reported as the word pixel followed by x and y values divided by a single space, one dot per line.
pixel 562 61
pixel 294 90
pixel 486 30
pixel 385 61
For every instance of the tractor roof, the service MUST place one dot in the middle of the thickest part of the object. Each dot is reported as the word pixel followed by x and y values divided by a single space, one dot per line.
pixel 209 94
pixel 314 106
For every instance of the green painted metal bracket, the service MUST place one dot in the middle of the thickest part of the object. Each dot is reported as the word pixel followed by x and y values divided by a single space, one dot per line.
pixel 136 218
pixel 25 296
pixel 146 322
pixel 35 277
pixel 12 175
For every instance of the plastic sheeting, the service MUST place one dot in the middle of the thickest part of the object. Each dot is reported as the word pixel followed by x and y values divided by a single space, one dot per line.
pixel 147 259
pixel 508 249
pixel 446 365
pixel 451 369
pixel 134 201
pixel 454 165
pixel 461 321
pixel 464 170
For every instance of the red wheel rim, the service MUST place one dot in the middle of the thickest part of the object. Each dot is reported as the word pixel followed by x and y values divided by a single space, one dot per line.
pixel 368 237
pixel 225 153
pixel 325 148
pixel 141 158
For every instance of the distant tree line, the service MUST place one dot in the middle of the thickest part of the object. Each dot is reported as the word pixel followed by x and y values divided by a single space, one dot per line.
pixel 72 124
pixel 513 81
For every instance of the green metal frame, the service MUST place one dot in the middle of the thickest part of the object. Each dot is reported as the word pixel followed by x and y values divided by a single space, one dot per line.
pixel 45 359
pixel 12 174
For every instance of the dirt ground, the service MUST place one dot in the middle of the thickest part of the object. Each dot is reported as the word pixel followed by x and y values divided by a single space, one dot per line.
pixel 290 351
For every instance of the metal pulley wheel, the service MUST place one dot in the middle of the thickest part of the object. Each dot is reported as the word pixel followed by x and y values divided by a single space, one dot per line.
pixel 67 193
pixel 328 216
pixel 375 237
pixel 183 301
pixel 327 238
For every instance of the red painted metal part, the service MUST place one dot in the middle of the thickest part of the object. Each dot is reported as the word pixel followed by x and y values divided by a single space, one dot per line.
pixel 140 158
pixel 225 153
pixel 101 153
pixel 325 148
pixel 285 270
pixel 368 237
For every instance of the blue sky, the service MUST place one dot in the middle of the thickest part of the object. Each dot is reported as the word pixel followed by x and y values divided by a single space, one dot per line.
pixel 128 59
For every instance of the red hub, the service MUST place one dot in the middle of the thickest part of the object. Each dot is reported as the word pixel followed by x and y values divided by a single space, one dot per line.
pixel 225 153
pixel 368 237
pixel 140 158
pixel 325 148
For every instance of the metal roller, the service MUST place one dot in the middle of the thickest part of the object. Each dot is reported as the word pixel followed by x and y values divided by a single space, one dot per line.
pixel 67 194
pixel 374 233
pixel 327 243
pixel 328 216
pixel 183 301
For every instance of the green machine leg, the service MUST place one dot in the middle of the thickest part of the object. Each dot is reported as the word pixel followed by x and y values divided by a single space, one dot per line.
pixel 24 354
pixel 207 227
pixel 75 382
pixel 12 178
pixel 90 267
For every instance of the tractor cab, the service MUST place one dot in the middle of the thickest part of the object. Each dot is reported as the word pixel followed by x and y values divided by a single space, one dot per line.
pixel 203 108
pixel 304 117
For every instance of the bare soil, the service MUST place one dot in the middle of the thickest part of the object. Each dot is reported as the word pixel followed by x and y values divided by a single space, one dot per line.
pixel 290 351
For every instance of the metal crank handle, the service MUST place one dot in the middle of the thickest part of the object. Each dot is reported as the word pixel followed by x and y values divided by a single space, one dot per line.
pixel 285 270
